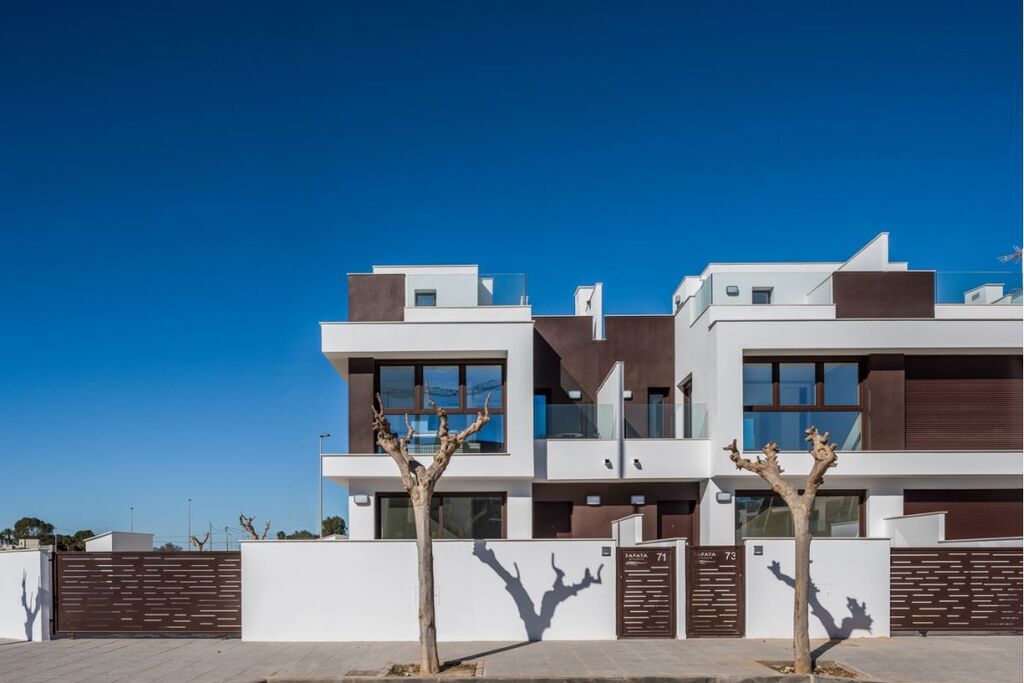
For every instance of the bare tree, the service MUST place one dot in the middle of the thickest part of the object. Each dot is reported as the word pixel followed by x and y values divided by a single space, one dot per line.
pixel 246 523
pixel 199 543
pixel 419 482
pixel 800 505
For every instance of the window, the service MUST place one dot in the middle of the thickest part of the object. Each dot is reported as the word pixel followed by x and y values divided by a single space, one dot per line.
pixel 426 297
pixel 658 423
pixel 414 389
pixel 540 415
pixel 452 515
pixel 761 295
pixel 782 398
pixel 836 514
pixel 687 389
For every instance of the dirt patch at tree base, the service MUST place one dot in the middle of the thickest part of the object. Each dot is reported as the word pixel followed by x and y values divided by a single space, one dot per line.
pixel 448 670
pixel 832 669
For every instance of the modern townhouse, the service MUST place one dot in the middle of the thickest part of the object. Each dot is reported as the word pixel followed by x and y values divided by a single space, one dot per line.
pixel 916 375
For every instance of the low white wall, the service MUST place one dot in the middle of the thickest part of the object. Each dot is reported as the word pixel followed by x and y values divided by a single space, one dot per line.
pixel 25 594
pixel 119 541
pixel 485 590
pixel 915 531
pixel 849 597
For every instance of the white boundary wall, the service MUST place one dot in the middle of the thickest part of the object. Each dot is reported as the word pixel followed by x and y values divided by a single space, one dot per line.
pixel 852 580
pixel 25 594
pixel 485 590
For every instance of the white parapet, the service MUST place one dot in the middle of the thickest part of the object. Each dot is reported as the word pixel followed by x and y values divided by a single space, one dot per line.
pixel 26 594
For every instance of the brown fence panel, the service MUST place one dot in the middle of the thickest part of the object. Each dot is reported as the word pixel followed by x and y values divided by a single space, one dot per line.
pixel 176 593
pixel 715 592
pixel 646 589
pixel 967 589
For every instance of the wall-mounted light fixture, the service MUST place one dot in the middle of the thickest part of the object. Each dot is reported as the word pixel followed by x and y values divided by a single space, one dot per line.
pixel 637 464
pixel 361 499
pixel 593 500
pixel 607 463
pixel 732 290
pixel 575 394
pixel 637 500
pixel 627 394
pixel 723 497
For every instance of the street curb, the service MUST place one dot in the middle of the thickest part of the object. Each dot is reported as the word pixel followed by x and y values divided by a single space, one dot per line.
pixel 768 678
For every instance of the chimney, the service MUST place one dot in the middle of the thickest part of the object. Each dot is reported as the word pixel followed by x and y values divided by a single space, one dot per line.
pixel 588 302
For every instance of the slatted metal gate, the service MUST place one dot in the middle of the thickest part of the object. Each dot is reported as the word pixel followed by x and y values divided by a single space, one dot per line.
pixel 715 592
pixel 966 589
pixel 169 593
pixel 646 588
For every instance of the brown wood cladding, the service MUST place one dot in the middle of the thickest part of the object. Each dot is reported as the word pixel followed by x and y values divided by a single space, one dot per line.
pixel 360 398
pixel 964 403
pixel 971 513
pixel 376 297
pixel 149 593
pixel 900 294
pixel 595 521
pixel 975 589
pixel 566 357
pixel 882 397
pixel 646 589
pixel 715 591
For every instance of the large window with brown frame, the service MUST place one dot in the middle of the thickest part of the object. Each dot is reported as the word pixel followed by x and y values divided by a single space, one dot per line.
pixel 414 388
pixel 782 397
pixel 836 514
pixel 452 515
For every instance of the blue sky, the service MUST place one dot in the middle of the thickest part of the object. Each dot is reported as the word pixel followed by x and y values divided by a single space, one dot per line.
pixel 184 187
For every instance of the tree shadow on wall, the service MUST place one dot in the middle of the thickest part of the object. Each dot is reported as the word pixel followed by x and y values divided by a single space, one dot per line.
pixel 535 621
pixel 859 619
pixel 31 607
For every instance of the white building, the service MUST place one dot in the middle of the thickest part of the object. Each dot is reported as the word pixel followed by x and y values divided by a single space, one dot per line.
pixel 916 374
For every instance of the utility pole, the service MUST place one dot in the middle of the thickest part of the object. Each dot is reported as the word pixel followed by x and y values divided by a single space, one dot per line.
pixel 225 538
pixel 320 527
pixel 189 539
pixel 131 524
pixel 211 535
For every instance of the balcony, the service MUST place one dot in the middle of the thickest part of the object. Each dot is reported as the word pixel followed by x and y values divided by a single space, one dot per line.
pixel 465 290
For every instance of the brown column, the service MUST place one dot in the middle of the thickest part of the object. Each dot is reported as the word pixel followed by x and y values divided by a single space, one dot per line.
pixel 360 398
pixel 883 387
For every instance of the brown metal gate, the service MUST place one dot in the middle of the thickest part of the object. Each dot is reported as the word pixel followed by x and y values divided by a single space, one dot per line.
pixel 967 589
pixel 175 593
pixel 714 592
pixel 646 589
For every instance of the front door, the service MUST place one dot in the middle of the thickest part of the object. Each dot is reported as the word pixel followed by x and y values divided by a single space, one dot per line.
pixel 675 519
pixel 552 519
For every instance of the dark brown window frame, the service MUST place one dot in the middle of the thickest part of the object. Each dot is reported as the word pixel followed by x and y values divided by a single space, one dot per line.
pixel 440 495
pixel 860 493
pixel 417 399
pixel 819 405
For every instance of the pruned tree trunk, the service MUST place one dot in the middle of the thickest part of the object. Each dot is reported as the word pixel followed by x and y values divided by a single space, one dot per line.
pixel 419 482
pixel 800 505
pixel 429 660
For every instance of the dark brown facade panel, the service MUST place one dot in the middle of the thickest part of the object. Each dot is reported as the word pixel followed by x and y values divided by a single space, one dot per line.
pixel 376 297
pixel 595 521
pixel 971 589
pixel 360 399
pixel 971 513
pixel 883 402
pixel 964 403
pixel 149 593
pixel 900 294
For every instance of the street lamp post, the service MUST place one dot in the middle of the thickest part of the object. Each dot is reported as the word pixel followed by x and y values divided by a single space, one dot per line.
pixel 320 529
pixel 131 523
pixel 188 540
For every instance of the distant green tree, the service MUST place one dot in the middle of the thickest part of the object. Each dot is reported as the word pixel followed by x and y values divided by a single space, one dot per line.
pixel 76 541
pixel 169 548
pixel 334 525
pixel 7 536
pixel 33 527
pixel 302 533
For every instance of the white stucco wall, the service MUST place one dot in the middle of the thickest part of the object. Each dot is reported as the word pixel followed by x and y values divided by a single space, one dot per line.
pixel 485 590
pixel 851 577
pixel 25 594
pixel 113 541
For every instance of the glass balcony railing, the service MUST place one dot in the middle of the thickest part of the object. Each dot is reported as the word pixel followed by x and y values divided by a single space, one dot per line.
pixel 574 421
pixel 469 290
pixel 978 287
pixel 787 428
pixel 665 421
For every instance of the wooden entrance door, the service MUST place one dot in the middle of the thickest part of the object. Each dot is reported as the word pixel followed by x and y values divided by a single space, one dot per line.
pixel 714 592
pixel 646 589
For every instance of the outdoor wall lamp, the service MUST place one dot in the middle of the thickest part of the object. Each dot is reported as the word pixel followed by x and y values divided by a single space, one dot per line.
pixel 636 464
pixel 637 500
pixel 723 497
pixel 627 394
pixel 732 290
pixel 607 463
pixel 575 394
pixel 361 499
pixel 593 500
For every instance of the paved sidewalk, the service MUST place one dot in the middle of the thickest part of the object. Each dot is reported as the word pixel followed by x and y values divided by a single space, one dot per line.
pixel 951 659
